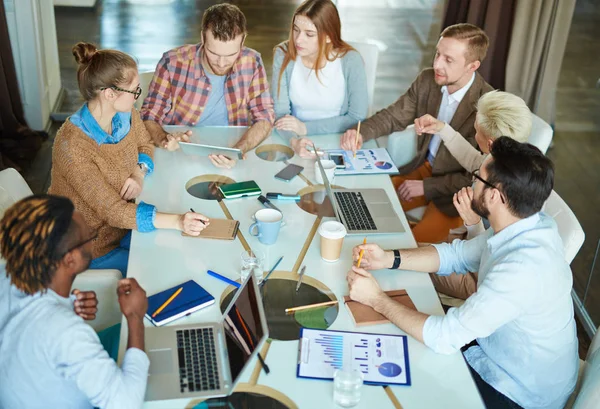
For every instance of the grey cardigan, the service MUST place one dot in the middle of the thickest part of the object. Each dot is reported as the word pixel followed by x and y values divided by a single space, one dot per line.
pixel 356 100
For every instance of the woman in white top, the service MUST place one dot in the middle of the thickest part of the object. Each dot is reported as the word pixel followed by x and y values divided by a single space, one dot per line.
pixel 319 80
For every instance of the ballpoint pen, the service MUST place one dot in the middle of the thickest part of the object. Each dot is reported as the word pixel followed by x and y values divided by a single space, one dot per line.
pixel 270 271
pixel 166 303
pixel 201 221
pixel 223 278
pixel 300 277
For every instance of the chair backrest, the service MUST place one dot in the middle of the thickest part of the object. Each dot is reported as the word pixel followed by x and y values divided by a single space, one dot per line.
pixel 12 189
pixel 401 145
pixel 569 228
pixel 145 79
pixel 588 394
pixel 541 134
pixel 370 55
pixel 104 284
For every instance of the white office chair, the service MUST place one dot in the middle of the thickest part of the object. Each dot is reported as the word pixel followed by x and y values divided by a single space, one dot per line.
pixel 541 134
pixel 145 79
pixel 587 391
pixel 370 55
pixel 104 282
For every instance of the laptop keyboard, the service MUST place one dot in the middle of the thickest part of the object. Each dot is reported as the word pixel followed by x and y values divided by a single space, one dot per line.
pixel 355 211
pixel 198 369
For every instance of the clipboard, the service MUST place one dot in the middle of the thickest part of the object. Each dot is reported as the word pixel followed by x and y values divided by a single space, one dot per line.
pixel 220 229
pixel 382 358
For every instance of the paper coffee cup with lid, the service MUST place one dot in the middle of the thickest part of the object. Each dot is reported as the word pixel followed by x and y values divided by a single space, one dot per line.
pixel 332 237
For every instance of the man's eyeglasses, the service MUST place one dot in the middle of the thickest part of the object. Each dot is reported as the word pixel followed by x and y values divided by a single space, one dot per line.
pixel 83 243
pixel 485 182
pixel 136 93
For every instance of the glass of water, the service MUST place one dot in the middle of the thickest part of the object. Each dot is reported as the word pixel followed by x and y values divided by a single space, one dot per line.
pixel 346 387
pixel 252 263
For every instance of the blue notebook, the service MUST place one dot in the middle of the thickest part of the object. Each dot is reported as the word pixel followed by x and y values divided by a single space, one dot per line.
pixel 191 299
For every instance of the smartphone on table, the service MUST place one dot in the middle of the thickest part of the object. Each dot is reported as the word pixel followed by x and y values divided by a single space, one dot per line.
pixel 289 172
pixel 241 189
pixel 338 159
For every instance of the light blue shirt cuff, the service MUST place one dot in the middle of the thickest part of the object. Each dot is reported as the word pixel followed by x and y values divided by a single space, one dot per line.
pixel 146 160
pixel 144 217
pixel 445 254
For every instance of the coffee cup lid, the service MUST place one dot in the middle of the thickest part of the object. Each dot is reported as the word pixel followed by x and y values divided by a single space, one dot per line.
pixel 332 230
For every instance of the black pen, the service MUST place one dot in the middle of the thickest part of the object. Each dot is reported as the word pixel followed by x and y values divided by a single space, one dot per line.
pixel 201 221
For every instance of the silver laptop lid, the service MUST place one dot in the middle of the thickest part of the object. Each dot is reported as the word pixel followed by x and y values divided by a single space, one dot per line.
pixel 328 187
pixel 245 327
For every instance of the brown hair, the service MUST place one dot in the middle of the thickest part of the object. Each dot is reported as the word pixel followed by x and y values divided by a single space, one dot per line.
pixel 325 17
pixel 34 234
pixel 101 69
pixel 477 40
pixel 225 21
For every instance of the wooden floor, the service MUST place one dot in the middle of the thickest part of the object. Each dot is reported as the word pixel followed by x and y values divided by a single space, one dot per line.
pixel 406 32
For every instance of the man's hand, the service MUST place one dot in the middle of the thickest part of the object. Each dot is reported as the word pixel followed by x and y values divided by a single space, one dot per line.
pixel 428 124
pixel 222 161
pixel 374 257
pixel 462 201
pixel 86 304
pixel 411 189
pixel 171 141
pixel 300 147
pixel 348 141
pixel 132 299
pixel 291 123
pixel 363 286
pixel 133 185
pixel 193 223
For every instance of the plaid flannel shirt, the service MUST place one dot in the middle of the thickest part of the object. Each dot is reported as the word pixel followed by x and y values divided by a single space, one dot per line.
pixel 179 89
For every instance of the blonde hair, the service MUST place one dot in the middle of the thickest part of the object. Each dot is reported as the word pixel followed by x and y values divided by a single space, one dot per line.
pixel 503 114
pixel 477 40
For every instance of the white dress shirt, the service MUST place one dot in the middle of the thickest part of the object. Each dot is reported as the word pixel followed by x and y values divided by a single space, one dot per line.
pixel 447 110
pixel 50 358
pixel 521 314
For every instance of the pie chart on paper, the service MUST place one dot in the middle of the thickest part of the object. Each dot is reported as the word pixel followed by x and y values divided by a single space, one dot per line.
pixel 383 165
pixel 389 369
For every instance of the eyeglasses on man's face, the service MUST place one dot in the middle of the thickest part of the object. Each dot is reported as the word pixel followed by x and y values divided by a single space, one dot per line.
pixel 476 176
pixel 94 236
pixel 136 93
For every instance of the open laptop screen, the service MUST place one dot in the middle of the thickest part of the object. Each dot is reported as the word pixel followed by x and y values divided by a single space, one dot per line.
pixel 243 328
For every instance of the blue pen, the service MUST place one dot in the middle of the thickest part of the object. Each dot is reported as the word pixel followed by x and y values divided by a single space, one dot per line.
pixel 225 279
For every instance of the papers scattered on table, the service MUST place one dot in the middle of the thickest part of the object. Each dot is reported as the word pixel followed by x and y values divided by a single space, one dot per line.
pixel 367 162
pixel 383 359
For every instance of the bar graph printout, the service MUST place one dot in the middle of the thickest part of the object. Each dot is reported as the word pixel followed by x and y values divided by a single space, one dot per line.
pixel 383 359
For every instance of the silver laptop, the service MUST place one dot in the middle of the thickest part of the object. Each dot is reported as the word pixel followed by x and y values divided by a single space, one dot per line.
pixel 206 360
pixel 362 211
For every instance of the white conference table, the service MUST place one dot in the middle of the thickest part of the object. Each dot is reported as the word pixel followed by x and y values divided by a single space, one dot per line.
pixel 163 258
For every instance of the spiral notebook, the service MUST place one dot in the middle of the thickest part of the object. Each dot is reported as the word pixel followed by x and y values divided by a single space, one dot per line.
pixel 191 299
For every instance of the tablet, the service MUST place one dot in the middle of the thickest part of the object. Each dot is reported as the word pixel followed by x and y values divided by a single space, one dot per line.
pixel 205 150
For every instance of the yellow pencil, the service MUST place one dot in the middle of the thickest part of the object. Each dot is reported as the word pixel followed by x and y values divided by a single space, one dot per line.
pixel 356 141
pixel 171 298
pixel 362 252
pixel 306 307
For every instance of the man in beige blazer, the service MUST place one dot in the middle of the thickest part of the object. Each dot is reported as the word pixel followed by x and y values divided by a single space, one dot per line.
pixel 449 91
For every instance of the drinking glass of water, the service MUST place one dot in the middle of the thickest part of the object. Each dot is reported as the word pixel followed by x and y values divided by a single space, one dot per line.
pixel 252 263
pixel 346 387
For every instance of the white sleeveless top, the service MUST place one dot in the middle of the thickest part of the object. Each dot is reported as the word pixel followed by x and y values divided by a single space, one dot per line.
pixel 317 98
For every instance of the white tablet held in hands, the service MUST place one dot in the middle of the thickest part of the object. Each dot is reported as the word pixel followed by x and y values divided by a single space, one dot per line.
pixel 199 149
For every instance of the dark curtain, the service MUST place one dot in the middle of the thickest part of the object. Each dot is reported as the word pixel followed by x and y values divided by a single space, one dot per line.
pixel 495 17
pixel 18 143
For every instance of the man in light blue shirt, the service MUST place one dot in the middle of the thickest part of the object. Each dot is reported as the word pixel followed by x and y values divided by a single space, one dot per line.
pixel 49 357
pixel 521 316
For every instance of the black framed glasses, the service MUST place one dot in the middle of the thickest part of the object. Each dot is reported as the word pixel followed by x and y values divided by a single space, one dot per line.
pixel 485 182
pixel 136 93
pixel 83 243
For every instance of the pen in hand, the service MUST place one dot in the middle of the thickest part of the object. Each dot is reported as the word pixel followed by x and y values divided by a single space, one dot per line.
pixel 201 221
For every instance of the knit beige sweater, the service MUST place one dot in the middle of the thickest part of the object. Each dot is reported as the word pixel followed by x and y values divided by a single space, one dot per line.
pixel 92 176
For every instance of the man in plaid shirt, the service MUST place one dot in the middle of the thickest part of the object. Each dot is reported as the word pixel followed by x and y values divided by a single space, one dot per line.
pixel 216 82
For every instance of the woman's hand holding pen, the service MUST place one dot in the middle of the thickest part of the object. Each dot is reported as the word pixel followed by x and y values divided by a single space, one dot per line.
pixel 193 223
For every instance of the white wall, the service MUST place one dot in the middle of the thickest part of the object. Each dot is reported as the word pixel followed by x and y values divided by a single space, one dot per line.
pixel 32 31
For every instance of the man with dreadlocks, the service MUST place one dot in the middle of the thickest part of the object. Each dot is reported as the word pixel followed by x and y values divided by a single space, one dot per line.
pixel 49 357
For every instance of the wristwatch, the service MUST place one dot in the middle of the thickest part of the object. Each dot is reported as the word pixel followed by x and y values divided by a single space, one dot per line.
pixel 397 260
pixel 143 167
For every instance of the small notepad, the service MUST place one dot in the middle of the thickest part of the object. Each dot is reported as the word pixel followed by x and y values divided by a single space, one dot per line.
pixel 191 299
pixel 221 229
pixel 364 315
